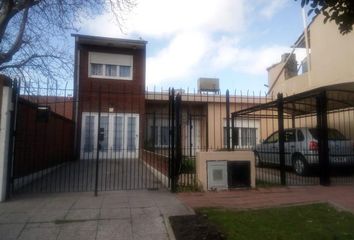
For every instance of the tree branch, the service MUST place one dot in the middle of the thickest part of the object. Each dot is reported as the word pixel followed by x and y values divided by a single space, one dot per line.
pixel 6 57
pixel 26 61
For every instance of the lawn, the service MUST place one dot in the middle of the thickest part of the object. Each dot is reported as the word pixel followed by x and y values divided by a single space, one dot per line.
pixel 315 221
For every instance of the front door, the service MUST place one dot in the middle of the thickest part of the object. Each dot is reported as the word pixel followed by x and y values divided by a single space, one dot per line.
pixel 119 135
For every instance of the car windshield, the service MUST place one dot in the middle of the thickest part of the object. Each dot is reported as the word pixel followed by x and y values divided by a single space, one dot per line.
pixel 333 134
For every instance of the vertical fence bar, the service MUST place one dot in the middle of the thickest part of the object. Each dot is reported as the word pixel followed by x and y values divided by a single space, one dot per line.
pixel 322 129
pixel 98 145
pixel 228 120
pixel 172 141
pixel 280 106
pixel 178 159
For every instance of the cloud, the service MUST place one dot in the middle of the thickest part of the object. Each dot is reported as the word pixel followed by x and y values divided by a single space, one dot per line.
pixel 162 18
pixel 196 38
pixel 178 59
pixel 272 7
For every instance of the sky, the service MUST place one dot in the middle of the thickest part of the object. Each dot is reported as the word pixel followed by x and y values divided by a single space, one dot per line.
pixel 233 40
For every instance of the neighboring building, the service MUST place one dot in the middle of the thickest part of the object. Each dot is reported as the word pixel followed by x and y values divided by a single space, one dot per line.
pixel 331 62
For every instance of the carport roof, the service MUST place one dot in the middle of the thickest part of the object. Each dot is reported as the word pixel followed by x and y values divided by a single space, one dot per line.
pixel 302 104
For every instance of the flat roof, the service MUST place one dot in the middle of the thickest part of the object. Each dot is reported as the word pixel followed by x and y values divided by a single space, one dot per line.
pixel 110 42
pixel 340 96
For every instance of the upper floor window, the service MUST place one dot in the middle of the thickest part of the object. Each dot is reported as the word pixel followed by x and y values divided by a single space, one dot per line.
pixel 112 66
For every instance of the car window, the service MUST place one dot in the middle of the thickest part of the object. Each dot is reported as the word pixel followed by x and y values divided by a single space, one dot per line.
pixel 300 136
pixel 333 134
pixel 290 136
pixel 272 138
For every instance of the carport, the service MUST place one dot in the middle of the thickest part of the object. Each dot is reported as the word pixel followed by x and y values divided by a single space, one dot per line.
pixel 319 110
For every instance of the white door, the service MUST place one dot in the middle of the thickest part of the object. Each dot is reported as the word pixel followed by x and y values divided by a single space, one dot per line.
pixel 119 135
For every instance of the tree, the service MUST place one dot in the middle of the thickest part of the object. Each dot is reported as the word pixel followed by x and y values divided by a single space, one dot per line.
pixel 340 11
pixel 33 34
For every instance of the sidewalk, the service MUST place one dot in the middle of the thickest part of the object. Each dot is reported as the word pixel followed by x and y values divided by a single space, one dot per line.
pixel 112 215
pixel 340 196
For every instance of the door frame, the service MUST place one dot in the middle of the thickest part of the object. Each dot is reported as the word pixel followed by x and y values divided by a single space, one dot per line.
pixel 110 154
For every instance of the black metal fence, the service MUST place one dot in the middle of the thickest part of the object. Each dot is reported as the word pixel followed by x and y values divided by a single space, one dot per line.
pixel 100 139
pixel 306 138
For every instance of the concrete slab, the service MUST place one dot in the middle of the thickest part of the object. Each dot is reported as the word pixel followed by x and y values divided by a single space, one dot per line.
pixel 130 215
pixel 11 231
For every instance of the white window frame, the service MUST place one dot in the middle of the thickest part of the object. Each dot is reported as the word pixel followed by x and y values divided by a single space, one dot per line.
pixel 238 123
pixel 110 59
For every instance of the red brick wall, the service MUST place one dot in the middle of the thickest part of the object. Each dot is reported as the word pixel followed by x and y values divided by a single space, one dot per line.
pixel 124 95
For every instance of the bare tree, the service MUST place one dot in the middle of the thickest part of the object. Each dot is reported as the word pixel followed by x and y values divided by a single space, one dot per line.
pixel 33 35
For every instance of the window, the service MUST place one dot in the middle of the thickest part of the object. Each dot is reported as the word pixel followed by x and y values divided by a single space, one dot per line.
pixel 111 70
pixel 118 133
pixel 274 138
pixel 165 136
pixel 300 136
pixel 104 126
pixel 124 71
pixel 112 66
pixel 89 134
pixel 248 136
pixel 96 69
pixel 290 136
pixel 241 137
pixel 234 137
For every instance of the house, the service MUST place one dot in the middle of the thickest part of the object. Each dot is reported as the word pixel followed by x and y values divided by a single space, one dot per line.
pixel 330 60
pixel 109 82
pixel 329 67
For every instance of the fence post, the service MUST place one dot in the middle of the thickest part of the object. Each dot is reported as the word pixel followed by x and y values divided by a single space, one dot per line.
pixel 98 146
pixel 322 130
pixel 280 106
pixel 228 120
pixel 172 140
pixel 178 158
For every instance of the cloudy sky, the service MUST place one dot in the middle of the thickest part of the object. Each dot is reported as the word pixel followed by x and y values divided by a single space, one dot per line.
pixel 233 40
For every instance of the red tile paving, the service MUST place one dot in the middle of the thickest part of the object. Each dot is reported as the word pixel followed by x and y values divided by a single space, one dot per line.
pixel 340 196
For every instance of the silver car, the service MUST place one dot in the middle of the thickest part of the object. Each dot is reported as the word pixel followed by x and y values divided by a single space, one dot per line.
pixel 301 149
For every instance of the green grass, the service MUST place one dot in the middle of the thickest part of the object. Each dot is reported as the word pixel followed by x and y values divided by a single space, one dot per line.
pixel 315 221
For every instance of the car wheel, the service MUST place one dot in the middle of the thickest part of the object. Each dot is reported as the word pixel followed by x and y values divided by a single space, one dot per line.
pixel 258 160
pixel 300 165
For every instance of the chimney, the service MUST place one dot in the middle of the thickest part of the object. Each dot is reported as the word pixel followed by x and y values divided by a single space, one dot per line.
pixel 290 68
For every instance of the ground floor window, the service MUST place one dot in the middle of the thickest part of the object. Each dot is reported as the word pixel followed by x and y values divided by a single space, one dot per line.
pixel 244 134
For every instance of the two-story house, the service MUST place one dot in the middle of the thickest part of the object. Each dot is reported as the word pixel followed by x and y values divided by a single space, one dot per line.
pixel 109 85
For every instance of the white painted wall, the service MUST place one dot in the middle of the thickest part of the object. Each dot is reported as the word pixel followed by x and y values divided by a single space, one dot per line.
pixel 4 139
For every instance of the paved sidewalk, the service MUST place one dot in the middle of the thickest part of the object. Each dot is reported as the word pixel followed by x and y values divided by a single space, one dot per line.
pixel 341 196
pixel 112 215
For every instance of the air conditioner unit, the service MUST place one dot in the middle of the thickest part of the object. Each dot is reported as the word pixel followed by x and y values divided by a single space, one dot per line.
pixel 208 85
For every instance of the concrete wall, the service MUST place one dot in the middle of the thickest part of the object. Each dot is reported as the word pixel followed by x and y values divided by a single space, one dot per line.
pixel 203 157
pixel 5 117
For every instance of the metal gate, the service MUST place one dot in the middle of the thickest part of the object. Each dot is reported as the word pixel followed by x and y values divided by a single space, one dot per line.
pixel 63 145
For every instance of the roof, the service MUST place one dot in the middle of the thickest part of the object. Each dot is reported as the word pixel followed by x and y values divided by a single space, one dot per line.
pixel 111 42
pixel 303 104
pixel 300 41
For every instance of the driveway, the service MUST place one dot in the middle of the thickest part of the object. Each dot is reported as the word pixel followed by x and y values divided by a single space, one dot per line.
pixel 112 174
pixel 112 215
